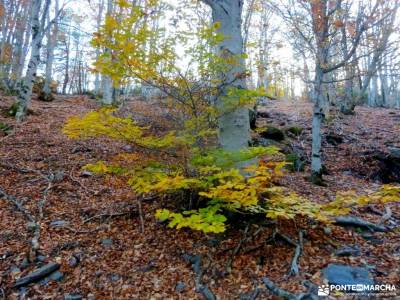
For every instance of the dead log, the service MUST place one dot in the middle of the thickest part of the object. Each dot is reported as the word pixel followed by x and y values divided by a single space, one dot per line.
pixel 357 222
pixel 37 275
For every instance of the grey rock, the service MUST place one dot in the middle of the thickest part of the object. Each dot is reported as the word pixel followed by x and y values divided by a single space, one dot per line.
pixel 107 242
pixel 127 148
pixel 31 226
pixel 327 230
pixel 348 251
pixel 73 261
pixel 347 275
pixel 15 270
pixel 56 276
pixel 113 277
pixel 41 258
pixel 59 223
pixel 73 296
pixel 180 286
pixel 86 173
pixel 348 173
pixel 372 239
pixel 25 264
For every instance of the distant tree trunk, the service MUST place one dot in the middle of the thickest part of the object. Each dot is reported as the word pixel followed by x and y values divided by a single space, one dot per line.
pixel 234 126
pixel 18 51
pixel 67 62
pixel 26 42
pixel 25 90
pixel 97 85
pixel 51 44
pixel 107 98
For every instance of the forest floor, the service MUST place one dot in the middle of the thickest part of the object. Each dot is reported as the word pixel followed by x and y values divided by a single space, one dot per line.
pixel 91 225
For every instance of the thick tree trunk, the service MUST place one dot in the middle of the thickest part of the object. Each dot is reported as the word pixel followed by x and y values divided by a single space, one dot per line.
pixel 234 125
pixel 317 120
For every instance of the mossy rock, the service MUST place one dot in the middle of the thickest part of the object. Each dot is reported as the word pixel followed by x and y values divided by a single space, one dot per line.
pixel 272 133
pixel 295 130
pixel 42 96
pixel 334 139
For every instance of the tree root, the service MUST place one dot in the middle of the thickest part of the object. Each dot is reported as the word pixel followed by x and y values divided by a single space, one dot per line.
pixel 228 267
pixel 277 291
pixel 35 222
pixel 294 268
pixel 201 288
pixel 357 222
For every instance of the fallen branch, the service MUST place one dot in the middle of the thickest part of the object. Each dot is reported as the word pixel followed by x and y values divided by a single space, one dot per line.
pixel 294 267
pixel 357 222
pixel 37 275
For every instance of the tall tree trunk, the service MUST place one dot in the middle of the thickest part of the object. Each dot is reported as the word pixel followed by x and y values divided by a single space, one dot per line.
pixel 108 84
pixel 317 120
pixel 234 126
pixel 321 29
pixel 25 90
pixel 51 44
pixel 97 85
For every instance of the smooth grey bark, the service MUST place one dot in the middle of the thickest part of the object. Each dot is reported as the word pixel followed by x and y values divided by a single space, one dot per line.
pixel 51 44
pixel 67 62
pixel 25 89
pixel 25 48
pixel 233 125
pixel 107 98
pixel 97 85
pixel 18 49
pixel 321 32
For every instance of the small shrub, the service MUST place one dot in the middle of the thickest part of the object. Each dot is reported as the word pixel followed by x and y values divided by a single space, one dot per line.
pixel 207 180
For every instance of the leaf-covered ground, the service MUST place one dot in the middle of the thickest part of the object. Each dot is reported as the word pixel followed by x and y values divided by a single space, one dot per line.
pixel 98 239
